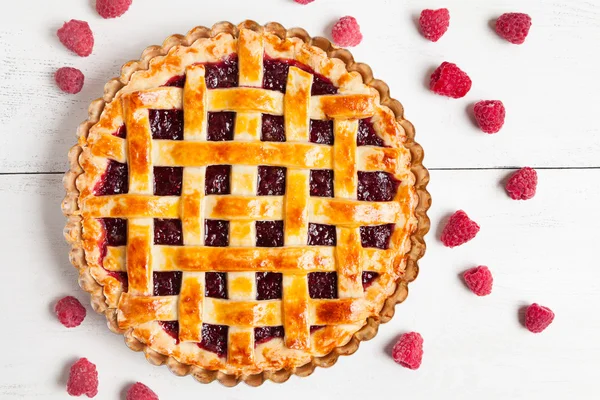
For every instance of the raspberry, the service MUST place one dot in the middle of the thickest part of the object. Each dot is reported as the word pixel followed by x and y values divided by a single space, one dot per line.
pixel 304 1
pixel 459 230
pixel 449 80
pixel 69 79
pixel 69 311
pixel 139 391
pixel 537 318
pixel 513 27
pixel 408 350
pixel 112 8
pixel 479 280
pixel 83 379
pixel 490 115
pixel 522 184
pixel 434 23
pixel 77 37
pixel 346 32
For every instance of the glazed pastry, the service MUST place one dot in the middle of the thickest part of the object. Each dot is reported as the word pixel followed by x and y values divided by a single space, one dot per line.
pixel 246 203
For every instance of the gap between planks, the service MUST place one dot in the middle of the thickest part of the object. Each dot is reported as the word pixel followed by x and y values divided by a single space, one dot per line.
pixel 430 169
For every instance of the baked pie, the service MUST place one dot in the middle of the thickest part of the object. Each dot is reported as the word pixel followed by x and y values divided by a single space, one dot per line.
pixel 246 203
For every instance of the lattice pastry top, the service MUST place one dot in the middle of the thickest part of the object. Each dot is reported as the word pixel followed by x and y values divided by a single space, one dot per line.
pixel 245 204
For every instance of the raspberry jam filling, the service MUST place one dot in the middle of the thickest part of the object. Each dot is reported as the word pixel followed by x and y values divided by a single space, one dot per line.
pixel 321 86
pixel 166 124
pixel 168 181
pixel 115 230
pixel 321 131
pixel 268 285
pixel 377 236
pixel 271 181
pixel 222 74
pixel 220 126
pixel 376 186
pixel 366 135
pixel 168 232
pixel 322 285
pixel 114 181
pixel 216 285
pixel 172 328
pixel 115 234
pixel 216 233
pixel 265 333
pixel 121 132
pixel 217 179
pixel 214 338
pixel 176 81
pixel 272 129
pixel 321 182
pixel 269 233
pixel 167 283
pixel 321 235
pixel 276 74
pixel 368 278
pixel 121 277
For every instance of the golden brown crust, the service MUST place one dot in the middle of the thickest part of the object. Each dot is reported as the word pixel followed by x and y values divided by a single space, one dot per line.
pixel 104 302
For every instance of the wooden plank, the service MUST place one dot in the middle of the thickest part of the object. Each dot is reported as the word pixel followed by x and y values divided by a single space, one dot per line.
pixel 542 250
pixel 549 84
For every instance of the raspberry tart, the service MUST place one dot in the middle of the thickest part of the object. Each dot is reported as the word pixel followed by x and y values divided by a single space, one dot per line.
pixel 246 203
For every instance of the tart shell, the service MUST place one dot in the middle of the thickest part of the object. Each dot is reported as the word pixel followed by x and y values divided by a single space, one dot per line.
pixel 73 228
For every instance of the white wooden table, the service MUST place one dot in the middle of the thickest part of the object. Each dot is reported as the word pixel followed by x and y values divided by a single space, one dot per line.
pixel 544 250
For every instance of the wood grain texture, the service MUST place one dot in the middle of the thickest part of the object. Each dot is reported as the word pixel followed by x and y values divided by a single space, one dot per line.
pixel 542 250
pixel 549 85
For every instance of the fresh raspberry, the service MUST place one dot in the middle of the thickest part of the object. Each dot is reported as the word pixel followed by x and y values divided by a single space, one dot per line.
pixel 69 311
pixel 513 27
pixel 346 32
pixel 139 391
pixel 77 37
pixel 537 318
pixel 69 79
pixel 522 184
pixel 112 8
pixel 490 115
pixel 83 379
pixel 479 280
pixel 304 1
pixel 459 230
pixel 434 23
pixel 408 350
pixel 449 80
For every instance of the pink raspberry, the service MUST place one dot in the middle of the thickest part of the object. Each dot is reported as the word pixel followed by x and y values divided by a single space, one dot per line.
pixel 490 115
pixel 479 280
pixel 304 1
pixel 408 350
pixel 537 318
pixel 522 184
pixel 434 23
pixel 139 391
pixel 346 32
pixel 459 230
pixel 69 311
pixel 69 80
pixel 83 379
pixel 449 80
pixel 513 27
pixel 112 8
pixel 77 37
